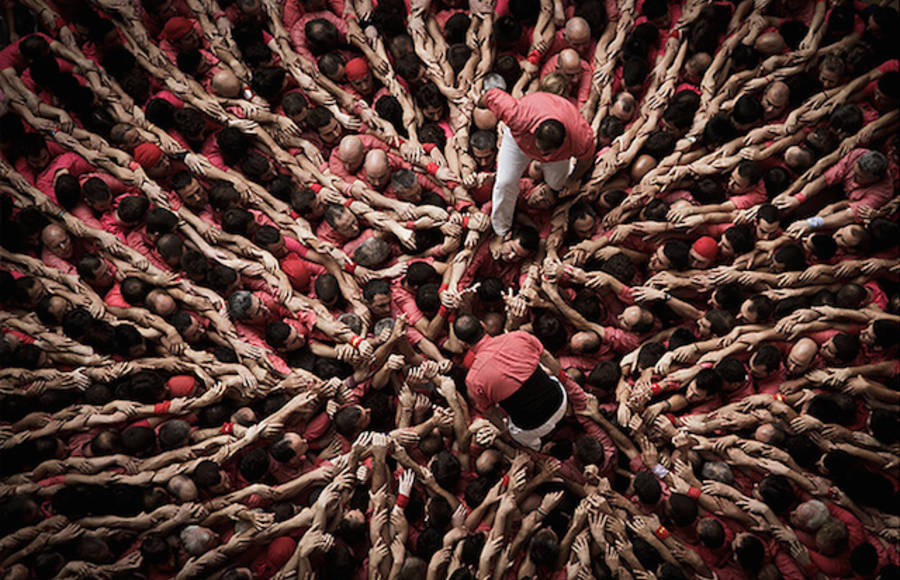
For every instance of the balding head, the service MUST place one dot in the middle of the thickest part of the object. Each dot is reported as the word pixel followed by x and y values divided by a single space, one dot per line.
pixel 484 119
pixel 809 516
pixel 352 153
pixel 57 241
pixel 569 63
pixel 769 43
pixel 226 84
pixel 642 166
pixel 623 107
pixel 696 66
pixel 183 488
pixel 578 33
pixel 775 100
pixel 801 356
pixel 378 170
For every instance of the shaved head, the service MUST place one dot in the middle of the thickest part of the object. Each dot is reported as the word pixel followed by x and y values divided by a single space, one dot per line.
pixel 351 153
pixel 577 31
pixel 377 168
pixel 801 355
pixel 770 43
pixel 225 84
pixel 775 100
pixel 623 107
pixel 569 63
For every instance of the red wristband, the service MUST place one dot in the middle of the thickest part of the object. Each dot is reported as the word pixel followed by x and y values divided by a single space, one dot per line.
pixel 350 267
pixel 316 187
pixel 465 222
pixel 694 492
pixel 674 34
pixel 801 197
pixel 162 408
pixel 506 480
pixel 402 501
pixel 355 341
pixel 295 215
pixel 706 365
pixel 428 147
pixel 410 225
pixel 442 311
pixel 656 388
pixel 443 287
pixel 779 397
pixel 534 57
pixel 227 428
pixel 562 376
pixel 349 202
pixel 661 532
pixel 432 167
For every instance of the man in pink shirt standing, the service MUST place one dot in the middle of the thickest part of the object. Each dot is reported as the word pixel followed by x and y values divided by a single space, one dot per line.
pixel 540 127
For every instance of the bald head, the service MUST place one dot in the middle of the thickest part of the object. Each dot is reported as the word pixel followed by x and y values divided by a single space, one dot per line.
pixel 801 356
pixel 623 107
pixel 696 66
pixel 377 168
pixel 352 153
pixel 775 100
pixel 569 63
pixel 226 84
pixel 769 43
pixel 642 166
pixel 183 488
pixel 57 240
pixel 578 33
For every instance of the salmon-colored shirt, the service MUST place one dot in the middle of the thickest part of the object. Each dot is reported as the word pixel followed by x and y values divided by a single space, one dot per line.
pixel 523 117
pixel 873 195
pixel 500 365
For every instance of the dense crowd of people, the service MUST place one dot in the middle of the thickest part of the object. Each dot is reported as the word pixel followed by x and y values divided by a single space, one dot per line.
pixel 425 289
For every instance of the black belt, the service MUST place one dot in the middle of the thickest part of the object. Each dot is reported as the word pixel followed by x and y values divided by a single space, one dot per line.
pixel 535 402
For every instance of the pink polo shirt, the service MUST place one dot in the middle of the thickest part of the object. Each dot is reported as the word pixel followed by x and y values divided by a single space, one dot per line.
pixel 873 195
pixel 584 79
pixel 523 117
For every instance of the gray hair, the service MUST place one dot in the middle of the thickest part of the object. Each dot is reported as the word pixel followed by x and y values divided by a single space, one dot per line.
pixel 384 323
pixel 494 81
pixel 813 514
pixel 372 252
pixel 717 471
pixel 403 179
pixel 482 139
pixel 239 304
pixel 353 321
pixel 196 540
pixel 873 163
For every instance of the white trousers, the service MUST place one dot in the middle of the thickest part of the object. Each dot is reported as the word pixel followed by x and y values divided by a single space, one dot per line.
pixel 531 438
pixel 511 165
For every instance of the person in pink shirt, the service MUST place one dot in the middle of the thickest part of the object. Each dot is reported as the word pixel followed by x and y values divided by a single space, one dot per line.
pixel 540 127
pixel 576 71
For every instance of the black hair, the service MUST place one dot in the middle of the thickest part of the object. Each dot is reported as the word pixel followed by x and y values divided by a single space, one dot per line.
pixel 741 238
pixel 647 488
pixel 254 465
pixel 551 134
pixel 750 553
pixel 678 253
pixel 769 356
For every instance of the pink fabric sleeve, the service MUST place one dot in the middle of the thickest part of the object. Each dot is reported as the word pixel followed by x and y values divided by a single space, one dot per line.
pixel 620 340
pixel 748 200
pixel 54 261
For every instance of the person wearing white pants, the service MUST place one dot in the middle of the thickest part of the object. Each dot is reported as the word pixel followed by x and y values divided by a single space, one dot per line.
pixel 540 127
pixel 511 165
